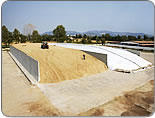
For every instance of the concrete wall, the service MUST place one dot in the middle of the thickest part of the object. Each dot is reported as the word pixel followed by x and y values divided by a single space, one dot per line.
pixel 101 57
pixel 31 65
pixel 134 51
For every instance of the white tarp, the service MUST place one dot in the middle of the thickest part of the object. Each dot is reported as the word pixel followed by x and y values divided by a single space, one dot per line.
pixel 117 59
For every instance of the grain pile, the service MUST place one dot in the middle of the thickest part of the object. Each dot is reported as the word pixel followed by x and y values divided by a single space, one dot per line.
pixel 59 64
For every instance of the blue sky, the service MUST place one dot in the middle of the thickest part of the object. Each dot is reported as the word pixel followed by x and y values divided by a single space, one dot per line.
pixel 81 16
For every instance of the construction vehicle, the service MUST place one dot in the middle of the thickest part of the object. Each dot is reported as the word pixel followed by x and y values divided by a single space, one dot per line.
pixel 44 45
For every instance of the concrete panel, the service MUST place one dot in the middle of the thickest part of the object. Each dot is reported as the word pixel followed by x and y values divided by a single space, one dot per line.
pixel 134 52
pixel 101 57
pixel 30 64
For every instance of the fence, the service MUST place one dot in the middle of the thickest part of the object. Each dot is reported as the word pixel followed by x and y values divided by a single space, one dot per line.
pixel 31 65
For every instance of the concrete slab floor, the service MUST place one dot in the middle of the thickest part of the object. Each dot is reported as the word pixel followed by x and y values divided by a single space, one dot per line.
pixel 80 95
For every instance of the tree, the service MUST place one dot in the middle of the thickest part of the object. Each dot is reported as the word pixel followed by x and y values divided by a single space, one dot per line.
pixel 10 38
pixel 5 35
pixel 103 36
pixel 46 37
pixel 76 36
pixel 59 33
pixel 98 39
pixel 23 38
pixel 89 39
pixel 84 41
pixel 36 38
pixel 146 37
pixel 103 41
pixel 118 37
pixel 16 35
pixel 28 29
pixel 107 37
pixel 124 38
pixel 79 36
pixel 94 37
pixel 152 38
pixel 131 38
pixel 85 36
pixel 139 37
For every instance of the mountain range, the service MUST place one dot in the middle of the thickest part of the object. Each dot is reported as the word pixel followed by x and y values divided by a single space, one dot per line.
pixel 100 32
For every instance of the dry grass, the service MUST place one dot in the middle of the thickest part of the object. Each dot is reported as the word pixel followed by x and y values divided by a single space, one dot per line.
pixel 59 64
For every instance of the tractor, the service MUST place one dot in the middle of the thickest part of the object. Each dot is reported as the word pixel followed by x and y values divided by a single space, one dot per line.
pixel 44 45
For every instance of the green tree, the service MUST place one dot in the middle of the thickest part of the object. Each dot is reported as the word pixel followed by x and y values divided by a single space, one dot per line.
pixel 118 38
pixel 23 38
pixel 84 41
pixel 124 38
pixel 146 37
pixel 139 37
pixel 107 37
pixel 46 37
pixel 85 36
pixel 10 38
pixel 36 38
pixel 103 36
pixel 76 36
pixel 152 38
pixel 59 33
pixel 79 36
pixel 132 38
pixel 94 37
pixel 16 35
pixel 103 41
pixel 89 39
pixel 5 35
pixel 98 39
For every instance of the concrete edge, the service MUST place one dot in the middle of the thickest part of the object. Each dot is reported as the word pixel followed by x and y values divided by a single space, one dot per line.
pixel 38 72
pixel 99 56
pixel 26 73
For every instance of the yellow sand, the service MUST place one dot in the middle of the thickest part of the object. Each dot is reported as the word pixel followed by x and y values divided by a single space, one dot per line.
pixel 59 64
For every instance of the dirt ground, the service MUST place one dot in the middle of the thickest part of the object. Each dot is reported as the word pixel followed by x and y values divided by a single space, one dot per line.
pixel 59 64
pixel 92 95
pixel 139 102
pixel 148 56
pixel 19 97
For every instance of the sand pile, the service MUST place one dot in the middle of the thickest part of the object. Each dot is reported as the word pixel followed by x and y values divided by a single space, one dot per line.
pixel 59 64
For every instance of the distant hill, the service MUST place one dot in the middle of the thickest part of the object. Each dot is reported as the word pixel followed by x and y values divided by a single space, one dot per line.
pixel 100 32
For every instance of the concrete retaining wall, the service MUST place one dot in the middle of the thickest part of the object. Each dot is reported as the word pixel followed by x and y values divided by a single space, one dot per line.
pixel 134 51
pixel 30 64
pixel 101 57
